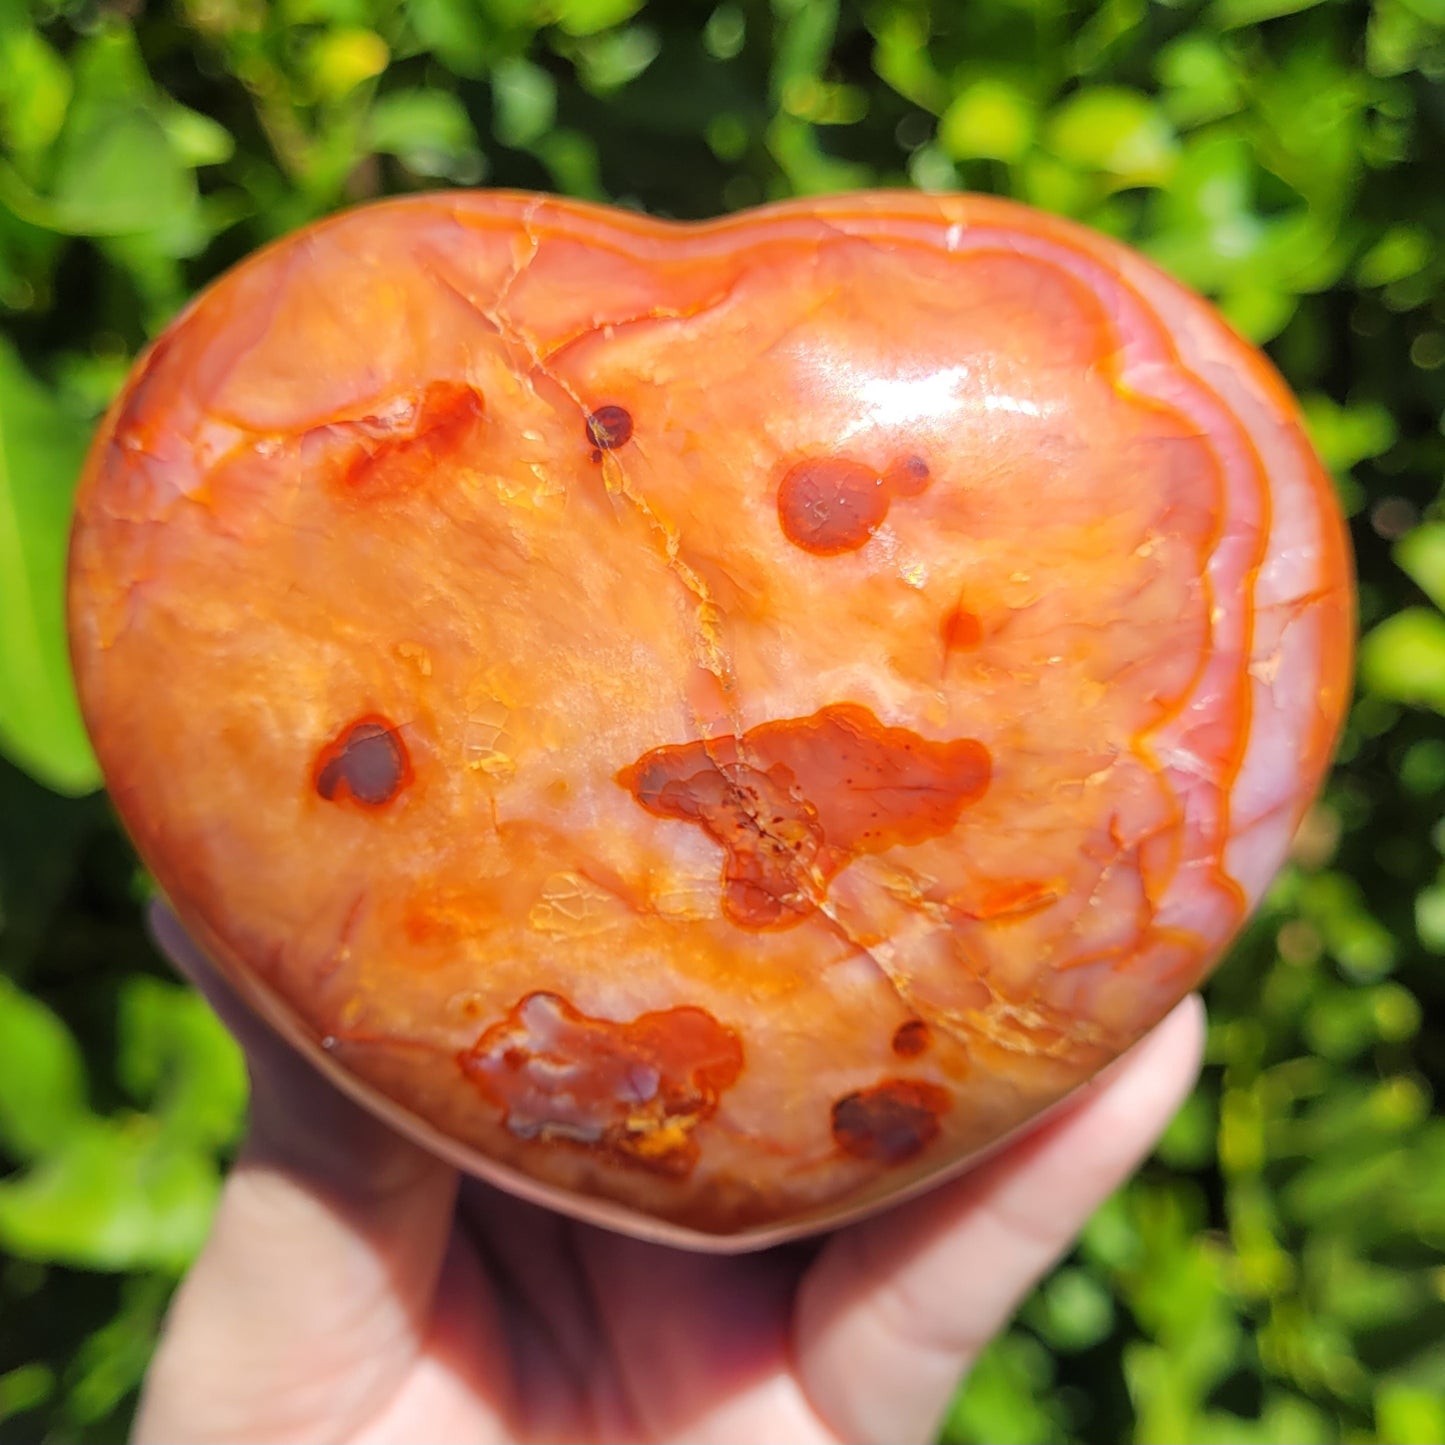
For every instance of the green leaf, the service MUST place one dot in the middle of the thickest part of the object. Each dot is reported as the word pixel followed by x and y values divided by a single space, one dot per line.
pixel 1402 252
pixel 42 1077
pixel 1408 1415
pixel 1231 14
pixel 1422 768
pixel 1403 659
pixel 1200 81
pixel 571 160
pixel 1432 12
pixel 34 92
pixel 111 1361
pixel 1430 918
pixel 175 1057
pixel 1258 313
pixel 25 1388
pixel 989 119
pixel 340 60
pixel 810 169
pixel 1073 1310
pixel 1337 907
pixel 1207 231
pixel 326 12
pixel 117 1194
pixel 524 101
pixel 588 17
pixel 429 131
pixel 1288 1420
pixel 1365 1295
pixel 116 171
pixel 608 61
pixel 1399 40
pixel 1311 114
pixel 1007 1400
pixel 902 61
pixel 1190 1140
pixel 455 31
pixel 804 39
pixel 726 32
pixel 1106 32
pixel 1118 131
pixel 41 448
pixel 1420 554
pixel 195 138
pixel 1348 435
pixel 1343 1022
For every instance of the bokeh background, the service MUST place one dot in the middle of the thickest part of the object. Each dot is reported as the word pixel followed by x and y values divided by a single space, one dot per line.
pixel 1275 1273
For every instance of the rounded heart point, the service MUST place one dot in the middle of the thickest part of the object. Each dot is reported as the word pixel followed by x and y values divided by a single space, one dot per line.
pixel 710 727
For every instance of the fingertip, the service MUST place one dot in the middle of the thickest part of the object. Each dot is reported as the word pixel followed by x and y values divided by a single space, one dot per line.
pixel 1167 1060
pixel 1192 1019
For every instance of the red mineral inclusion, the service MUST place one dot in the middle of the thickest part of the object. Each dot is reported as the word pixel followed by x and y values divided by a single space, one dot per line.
pixel 608 428
pixel 709 727
pixel 367 763
pixel 794 802
pixel 830 505
pixel 910 1038
pixel 961 630
pixel 890 1122
pixel 635 1091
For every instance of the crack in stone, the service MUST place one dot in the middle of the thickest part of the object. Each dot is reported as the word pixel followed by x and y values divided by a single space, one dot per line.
pixel 621 484
pixel 893 980
pixel 658 313
pixel 709 653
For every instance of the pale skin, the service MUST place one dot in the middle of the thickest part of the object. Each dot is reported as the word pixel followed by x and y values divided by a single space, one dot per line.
pixel 356 1291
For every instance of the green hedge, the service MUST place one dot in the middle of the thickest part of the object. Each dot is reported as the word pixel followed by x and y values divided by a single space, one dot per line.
pixel 1274 1275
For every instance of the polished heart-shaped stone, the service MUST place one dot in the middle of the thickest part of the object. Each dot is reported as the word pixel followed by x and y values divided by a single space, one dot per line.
pixel 709 727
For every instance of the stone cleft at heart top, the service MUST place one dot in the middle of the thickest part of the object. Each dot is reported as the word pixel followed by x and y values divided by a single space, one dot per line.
pixel 709 727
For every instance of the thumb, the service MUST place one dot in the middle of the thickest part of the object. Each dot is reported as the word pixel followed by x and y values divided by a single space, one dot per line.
pixel 309 1302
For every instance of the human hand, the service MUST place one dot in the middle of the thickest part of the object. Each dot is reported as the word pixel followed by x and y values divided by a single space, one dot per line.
pixel 355 1290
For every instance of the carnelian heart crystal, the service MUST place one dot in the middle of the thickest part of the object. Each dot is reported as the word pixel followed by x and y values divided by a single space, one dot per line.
pixel 709 727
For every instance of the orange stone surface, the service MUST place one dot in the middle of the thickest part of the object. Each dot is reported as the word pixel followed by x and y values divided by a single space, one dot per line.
pixel 710 727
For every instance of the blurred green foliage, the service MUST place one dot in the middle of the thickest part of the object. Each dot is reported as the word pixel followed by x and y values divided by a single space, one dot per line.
pixel 1275 1274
